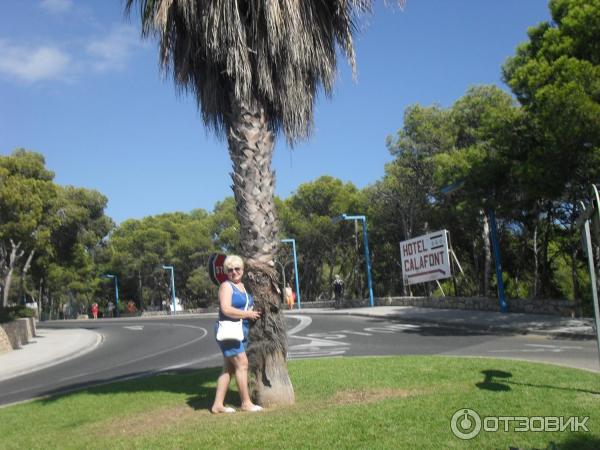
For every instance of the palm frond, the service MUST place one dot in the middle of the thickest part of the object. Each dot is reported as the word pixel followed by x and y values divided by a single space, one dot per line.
pixel 277 53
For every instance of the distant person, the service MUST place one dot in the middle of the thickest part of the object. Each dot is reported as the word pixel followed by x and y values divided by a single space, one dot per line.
pixel 131 307
pixel 66 310
pixel 234 304
pixel 95 310
pixel 338 290
pixel 290 297
pixel 111 309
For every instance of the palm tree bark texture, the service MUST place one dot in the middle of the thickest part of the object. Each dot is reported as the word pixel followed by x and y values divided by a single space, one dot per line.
pixel 251 149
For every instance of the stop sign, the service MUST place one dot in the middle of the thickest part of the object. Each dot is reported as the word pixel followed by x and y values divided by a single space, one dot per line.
pixel 216 271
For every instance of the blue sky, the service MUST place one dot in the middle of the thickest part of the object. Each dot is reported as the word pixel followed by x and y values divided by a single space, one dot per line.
pixel 79 86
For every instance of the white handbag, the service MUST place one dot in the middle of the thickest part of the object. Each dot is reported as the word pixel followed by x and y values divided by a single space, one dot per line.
pixel 231 330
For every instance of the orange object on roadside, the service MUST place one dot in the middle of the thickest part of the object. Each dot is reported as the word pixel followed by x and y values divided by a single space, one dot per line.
pixel 290 297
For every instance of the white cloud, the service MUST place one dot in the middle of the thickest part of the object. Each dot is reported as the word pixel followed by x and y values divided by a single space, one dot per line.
pixel 57 6
pixel 33 64
pixel 113 50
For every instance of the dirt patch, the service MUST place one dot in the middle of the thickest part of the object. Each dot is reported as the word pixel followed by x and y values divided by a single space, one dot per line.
pixel 372 395
pixel 140 423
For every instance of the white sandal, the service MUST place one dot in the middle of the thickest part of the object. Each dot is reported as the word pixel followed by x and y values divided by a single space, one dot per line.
pixel 255 408
pixel 226 410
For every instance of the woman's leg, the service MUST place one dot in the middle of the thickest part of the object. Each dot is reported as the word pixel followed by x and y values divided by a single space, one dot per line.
pixel 222 385
pixel 240 361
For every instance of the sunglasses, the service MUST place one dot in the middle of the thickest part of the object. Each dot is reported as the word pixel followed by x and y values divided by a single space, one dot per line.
pixel 237 269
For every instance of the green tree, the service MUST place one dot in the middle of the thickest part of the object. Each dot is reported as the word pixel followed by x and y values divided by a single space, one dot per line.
pixel 325 248
pixel 225 227
pixel 70 268
pixel 400 203
pixel 255 68
pixel 50 232
pixel 138 249
pixel 27 203
pixel 556 77
pixel 437 148
pixel 476 163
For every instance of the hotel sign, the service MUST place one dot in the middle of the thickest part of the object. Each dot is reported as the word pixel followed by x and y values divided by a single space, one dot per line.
pixel 425 258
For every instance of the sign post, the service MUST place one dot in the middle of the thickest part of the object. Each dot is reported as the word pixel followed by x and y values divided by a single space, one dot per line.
pixel 589 220
pixel 425 258
pixel 216 271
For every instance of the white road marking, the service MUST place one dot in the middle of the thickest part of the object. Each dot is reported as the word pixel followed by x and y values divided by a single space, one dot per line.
pixel 328 335
pixel 358 333
pixel 564 347
pixel 135 328
pixel 390 329
pixel 316 347
pixel 540 348
pixel 305 321
pixel 330 343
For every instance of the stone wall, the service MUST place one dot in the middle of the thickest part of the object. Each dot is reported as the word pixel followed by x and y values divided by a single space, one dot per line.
pixel 17 333
pixel 5 345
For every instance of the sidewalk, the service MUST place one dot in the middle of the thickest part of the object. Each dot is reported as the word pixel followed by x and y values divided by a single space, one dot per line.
pixel 49 347
pixel 53 346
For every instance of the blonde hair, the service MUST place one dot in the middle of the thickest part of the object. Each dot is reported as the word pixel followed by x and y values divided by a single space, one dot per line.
pixel 233 261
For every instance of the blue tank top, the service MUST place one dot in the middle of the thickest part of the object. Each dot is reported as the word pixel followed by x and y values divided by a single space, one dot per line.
pixel 238 301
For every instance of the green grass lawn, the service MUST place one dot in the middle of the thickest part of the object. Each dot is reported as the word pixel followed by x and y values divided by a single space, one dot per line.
pixel 373 402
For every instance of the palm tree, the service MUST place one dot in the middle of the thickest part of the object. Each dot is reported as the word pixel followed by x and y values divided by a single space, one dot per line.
pixel 255 68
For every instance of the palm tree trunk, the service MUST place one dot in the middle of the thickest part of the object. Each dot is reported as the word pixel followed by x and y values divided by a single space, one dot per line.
pixel 251 145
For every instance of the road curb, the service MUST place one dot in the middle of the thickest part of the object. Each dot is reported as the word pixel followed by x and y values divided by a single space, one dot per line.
pixel 75 353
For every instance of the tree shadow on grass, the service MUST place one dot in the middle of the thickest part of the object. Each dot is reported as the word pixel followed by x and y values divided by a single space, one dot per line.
pixel 491 382
pixel 499 380
pixel 198 385
pixel 561 388
pixel 580 441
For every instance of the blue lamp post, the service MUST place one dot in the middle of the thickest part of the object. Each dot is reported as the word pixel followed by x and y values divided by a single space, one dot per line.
pixel 293 242
pixel 497 260
pixel 110 275
pixel 363 219
pixel 170 268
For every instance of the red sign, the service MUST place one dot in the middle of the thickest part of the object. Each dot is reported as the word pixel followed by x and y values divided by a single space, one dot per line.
pixel 216 271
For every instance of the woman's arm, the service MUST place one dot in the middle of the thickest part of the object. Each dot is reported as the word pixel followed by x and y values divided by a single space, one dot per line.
pixel 225 294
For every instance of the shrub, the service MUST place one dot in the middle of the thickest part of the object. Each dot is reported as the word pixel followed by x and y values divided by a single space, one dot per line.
pixel 11 313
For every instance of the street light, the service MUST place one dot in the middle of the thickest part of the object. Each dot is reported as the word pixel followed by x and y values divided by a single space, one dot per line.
pixel 110 275
pixel 293 242
pixel 172 286
pixel 363 219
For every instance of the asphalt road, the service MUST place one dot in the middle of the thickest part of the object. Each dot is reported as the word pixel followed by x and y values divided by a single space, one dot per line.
pixel 142 347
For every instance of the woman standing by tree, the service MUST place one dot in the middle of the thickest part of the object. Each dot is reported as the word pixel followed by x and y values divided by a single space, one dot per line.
pixel 234 304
